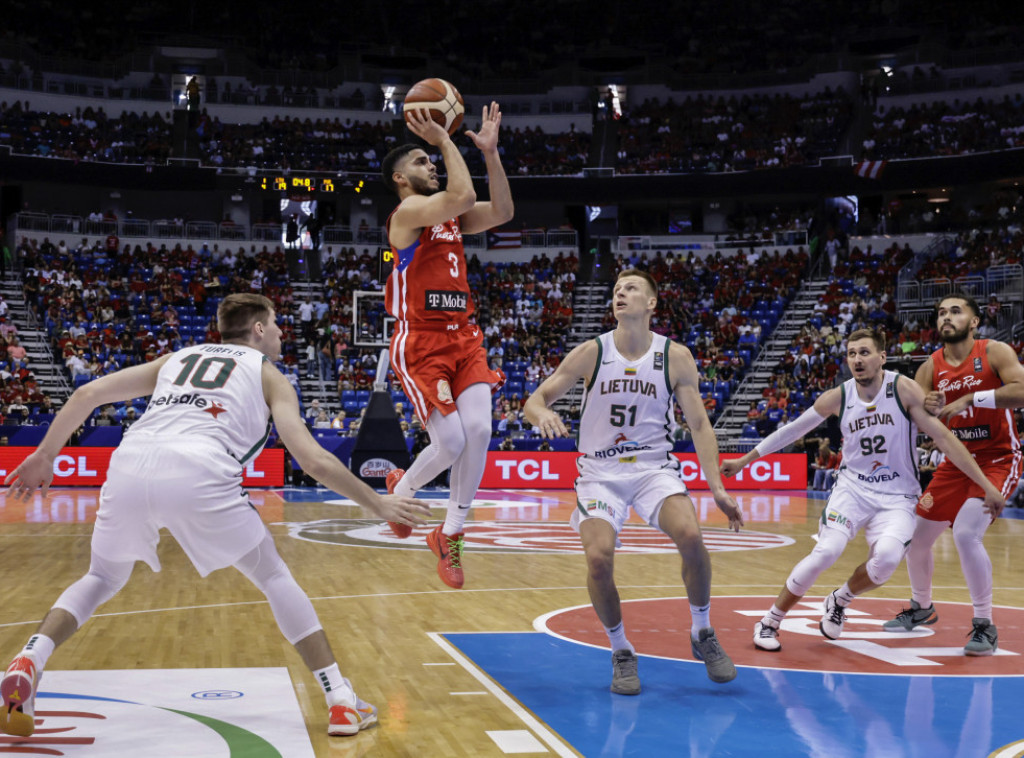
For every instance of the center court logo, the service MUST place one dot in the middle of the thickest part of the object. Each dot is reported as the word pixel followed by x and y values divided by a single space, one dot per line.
pixel 864 647
pixel 522 537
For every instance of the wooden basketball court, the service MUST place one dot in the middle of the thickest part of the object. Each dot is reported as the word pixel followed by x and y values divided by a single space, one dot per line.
pixel 416 649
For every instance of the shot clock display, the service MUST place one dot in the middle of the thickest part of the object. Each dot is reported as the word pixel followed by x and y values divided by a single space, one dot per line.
pixel 297 184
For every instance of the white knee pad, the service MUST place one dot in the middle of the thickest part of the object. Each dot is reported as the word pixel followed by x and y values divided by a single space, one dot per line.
pixel 886 555
pixel 264 567
pixel 831 544
pixel 104 580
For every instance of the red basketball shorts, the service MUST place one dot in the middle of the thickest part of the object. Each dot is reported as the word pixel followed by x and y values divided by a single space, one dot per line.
pixel 435 367
pixel 950 487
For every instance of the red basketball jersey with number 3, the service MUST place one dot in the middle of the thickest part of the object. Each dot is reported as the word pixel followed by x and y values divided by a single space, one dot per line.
pixel 428 286
pixel 987 432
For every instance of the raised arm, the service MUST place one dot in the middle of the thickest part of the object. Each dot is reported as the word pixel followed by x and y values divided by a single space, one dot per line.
pixel 37 469
pixel 826 405
pixel 580 363
pixel 500 209
pixel 683 372
pixel 322 465
pixel 421 210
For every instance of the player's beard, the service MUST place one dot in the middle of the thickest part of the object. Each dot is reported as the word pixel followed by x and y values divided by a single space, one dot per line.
pixel 951 338
pixel 423 186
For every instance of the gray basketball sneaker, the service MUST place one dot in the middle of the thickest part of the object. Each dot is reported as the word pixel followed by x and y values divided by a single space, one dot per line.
pixel 624 676
pixel 707 648
pixel 984 639
pixel 911 617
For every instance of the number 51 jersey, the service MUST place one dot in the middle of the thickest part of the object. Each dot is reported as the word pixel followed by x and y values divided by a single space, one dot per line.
pixel 879 440
pixel 627 418
pixel 211 392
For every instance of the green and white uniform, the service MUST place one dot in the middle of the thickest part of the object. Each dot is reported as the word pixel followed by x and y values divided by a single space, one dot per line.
pixel 625 435
pixel 180 466
pixel 877 485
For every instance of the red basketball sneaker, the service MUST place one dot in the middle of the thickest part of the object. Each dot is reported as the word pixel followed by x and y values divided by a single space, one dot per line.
pixel 18 690
pixel 346 720
pixel 448 549
pixel 393 478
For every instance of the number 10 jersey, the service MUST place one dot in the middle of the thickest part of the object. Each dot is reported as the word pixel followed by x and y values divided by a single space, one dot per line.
pixel 212 393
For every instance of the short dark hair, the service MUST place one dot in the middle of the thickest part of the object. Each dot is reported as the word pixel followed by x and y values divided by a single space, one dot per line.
pixel 868 334
pixel 387 166
pixel 643 275
pixel 239 311
pixel 970 301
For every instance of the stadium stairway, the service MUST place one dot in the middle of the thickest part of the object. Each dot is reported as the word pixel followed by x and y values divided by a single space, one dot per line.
pixel 49 374
pixel 590 303
pixel 312 388
pixel 730 424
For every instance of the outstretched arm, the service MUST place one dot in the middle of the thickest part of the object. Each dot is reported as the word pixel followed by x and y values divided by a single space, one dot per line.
pixel 322 465
pixel 578 364
pixel 826 405
pixel 37 469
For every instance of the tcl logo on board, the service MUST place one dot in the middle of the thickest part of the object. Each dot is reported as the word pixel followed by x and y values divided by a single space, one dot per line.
pixel 88 466
pixel 558 471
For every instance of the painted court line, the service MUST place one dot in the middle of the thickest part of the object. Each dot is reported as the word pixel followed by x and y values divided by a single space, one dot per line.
pixel 543 732
pixel 479 692
pixel 516 741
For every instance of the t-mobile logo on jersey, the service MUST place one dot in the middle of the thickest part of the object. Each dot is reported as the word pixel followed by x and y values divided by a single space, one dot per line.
pixel 442 300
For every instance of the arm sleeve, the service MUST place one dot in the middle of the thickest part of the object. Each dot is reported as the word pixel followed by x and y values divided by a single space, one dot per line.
pixel 807 422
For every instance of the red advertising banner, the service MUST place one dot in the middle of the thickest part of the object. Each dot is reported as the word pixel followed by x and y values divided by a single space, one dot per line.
pixel 87 466
pixel 557 471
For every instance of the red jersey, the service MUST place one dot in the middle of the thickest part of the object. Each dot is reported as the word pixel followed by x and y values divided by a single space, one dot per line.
pixel 987 432
pixel 427 287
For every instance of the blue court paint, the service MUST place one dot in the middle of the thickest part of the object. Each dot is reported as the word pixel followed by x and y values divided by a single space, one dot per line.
pixel 762 712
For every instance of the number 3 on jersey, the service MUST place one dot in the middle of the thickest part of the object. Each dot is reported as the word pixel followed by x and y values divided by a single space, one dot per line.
pixel 453 258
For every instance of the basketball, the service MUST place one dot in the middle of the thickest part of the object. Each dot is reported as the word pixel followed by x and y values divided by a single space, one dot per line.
pixel 440 98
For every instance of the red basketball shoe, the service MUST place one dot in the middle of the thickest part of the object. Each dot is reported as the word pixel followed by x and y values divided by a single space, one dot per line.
pixel 18 690
pixel 448 549
pixel 346 720
pixel 393 478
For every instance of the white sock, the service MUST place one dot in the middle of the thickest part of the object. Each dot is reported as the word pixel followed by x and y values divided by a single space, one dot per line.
pixel 774 617
pixel 617 638
pixel 844 596
pixel 455 521
pixel 336 688
pixel 700 618
pixel 39 648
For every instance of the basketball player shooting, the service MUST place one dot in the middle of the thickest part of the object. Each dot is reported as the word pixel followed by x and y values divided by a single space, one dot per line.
pixel 436 350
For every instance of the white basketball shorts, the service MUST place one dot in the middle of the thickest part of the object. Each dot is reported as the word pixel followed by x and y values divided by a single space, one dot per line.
pixel 850 509
pixel 611 499
pixel 191 487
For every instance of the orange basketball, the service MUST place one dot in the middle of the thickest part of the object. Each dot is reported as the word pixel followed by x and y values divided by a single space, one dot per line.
pixel 440 98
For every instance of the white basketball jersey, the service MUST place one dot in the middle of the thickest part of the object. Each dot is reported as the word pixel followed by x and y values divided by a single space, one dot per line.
pixel 879 440
pixel 213 392
pixel 627 418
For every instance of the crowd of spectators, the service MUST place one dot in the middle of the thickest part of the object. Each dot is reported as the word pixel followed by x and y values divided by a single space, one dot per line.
pixel 945 128
pixel 714 134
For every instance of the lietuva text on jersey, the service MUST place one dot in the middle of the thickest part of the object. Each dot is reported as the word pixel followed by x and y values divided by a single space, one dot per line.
pixel 627 419
pixel 878 419
pixel 637 386
pixel 879 451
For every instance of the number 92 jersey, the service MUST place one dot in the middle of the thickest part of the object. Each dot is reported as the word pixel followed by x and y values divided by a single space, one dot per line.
pixel 212 392
pixel 879 440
